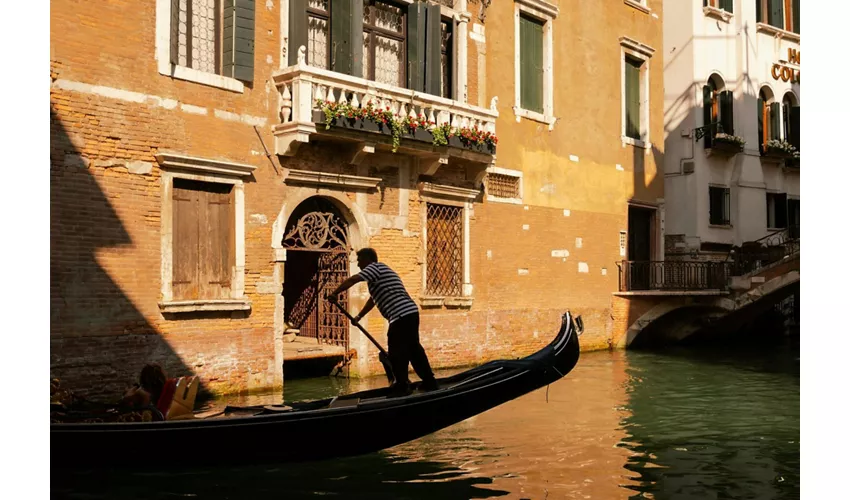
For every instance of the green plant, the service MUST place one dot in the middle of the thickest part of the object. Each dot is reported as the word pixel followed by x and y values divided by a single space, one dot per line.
pixel 783 147
pixel 735 139
pixel 441 134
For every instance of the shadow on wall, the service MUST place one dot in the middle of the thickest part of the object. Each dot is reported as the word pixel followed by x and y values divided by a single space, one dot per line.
pixel 99 341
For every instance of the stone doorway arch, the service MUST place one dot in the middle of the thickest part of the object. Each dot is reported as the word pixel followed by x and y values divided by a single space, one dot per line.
pixel 316 239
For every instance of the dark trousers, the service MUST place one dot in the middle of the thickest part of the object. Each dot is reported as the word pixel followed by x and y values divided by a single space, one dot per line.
pixel 404 349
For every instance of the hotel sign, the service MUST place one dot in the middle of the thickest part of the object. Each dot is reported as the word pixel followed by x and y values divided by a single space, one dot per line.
pixel 781 71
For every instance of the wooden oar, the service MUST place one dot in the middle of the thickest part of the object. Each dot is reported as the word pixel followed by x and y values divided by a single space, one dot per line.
pixel 382 355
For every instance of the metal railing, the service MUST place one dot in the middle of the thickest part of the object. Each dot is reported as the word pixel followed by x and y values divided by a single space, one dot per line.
pixel 673 275
pixel 754 255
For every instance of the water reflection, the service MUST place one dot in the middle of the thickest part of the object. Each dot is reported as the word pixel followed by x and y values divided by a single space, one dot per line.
pixel 621 425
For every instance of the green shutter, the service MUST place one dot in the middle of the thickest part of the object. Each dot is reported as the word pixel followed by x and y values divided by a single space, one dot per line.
pixel 238 41
pixel 774 120
pixel 432 50
pixel 795 5
pixel 775 17
pixel 632 99
pixel 761 124
pixel 795 127
pixel 759 13
pixel 416 46
pixel 727 5
pixel 726 105
pixel 297 29
pixel 347 37
pixel 175 31
pixel 706 116
pixel 531 64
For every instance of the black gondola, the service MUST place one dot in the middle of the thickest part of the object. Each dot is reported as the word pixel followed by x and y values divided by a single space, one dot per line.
pixel 353 424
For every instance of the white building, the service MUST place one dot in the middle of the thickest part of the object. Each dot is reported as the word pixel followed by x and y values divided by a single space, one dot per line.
pixel 732 66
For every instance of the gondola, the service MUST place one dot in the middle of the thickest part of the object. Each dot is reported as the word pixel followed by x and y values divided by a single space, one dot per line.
pixel 348 425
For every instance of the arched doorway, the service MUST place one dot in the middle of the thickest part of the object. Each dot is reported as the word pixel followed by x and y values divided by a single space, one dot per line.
pixel 317 245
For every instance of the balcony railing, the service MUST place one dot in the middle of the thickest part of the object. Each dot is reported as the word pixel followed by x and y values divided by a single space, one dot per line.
pixel 304 88
pixel 673 275
pixel 755 255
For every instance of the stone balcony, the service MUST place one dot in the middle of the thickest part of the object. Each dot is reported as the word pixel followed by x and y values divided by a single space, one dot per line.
pixel 308 93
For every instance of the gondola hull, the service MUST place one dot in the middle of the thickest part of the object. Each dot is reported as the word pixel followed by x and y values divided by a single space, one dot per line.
pixel 349 425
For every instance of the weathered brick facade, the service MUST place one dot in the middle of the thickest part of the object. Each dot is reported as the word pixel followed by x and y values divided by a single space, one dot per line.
pixel 113 112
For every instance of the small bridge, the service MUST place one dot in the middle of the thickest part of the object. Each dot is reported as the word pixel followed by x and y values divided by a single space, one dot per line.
pixel 668 302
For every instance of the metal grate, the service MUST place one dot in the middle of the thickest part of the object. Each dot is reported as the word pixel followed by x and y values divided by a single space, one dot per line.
pixel 503 186
pixel 445 250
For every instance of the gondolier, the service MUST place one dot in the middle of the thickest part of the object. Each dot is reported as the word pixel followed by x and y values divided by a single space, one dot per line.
pixel 394 303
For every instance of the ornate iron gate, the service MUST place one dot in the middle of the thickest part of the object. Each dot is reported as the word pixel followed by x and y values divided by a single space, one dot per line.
pixel 319 242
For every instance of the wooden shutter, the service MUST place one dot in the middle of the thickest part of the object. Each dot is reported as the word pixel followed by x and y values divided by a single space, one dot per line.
pixel 416 13
pixel 173 39
pixel 775 13
pixel 707 103
pixel 761 124
pixel 432 50
pixel 347 37
pixel 795 127
pixel 216 248
pixel 726 105
pixel 774 120
pixel 727 5
pixel 632 99
pixel 238 41
pixel 795 6
pixel 297 29
pixel 531 64
pixel 185 235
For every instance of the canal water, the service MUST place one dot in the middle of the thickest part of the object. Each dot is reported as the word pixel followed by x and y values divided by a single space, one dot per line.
pixel 689 423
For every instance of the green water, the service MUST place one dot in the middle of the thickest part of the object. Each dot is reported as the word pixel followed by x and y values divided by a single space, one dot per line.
pixel 707 424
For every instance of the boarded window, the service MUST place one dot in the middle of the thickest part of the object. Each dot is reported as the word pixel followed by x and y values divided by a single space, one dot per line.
pixel 202 239
pixel 531 63
pixel 214 36
pixel 503 186
pixel 632 95
pixel 719 209
pixel 444 273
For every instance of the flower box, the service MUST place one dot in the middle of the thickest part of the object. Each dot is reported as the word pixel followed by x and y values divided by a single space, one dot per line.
pixel 456 142
pixel 363 124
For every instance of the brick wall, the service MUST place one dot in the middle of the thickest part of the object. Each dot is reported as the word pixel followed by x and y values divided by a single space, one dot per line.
pixel 112 112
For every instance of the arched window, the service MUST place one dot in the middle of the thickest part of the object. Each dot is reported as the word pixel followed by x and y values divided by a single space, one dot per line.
pixel 791 119
pixel 717 109
pixel 768 118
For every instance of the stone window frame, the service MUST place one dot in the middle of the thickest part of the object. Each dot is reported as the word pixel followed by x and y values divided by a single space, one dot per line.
pixel 512 173
pixel 163 56
pixel 453 196
pixel 641 52
pixel 546 12
pixel 175 165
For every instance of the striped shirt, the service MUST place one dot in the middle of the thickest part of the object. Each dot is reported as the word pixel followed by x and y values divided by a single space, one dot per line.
pixel 388 292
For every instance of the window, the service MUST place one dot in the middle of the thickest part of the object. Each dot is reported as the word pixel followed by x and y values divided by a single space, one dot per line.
pixel 633 125
pixel 533 76
pixel 207 41
pixel 717 109
pixel 719 4
pixel 202 240
pixel 203 234
pixel 318 33
pixel 504 185
pixel 782 14
pixel 719 209
pixel 384 54
pixel 635 92
pixel 777 215
pixel 446 59
pixel 768 118
pixel 791 120
pixel 531 63
pixel 444 276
